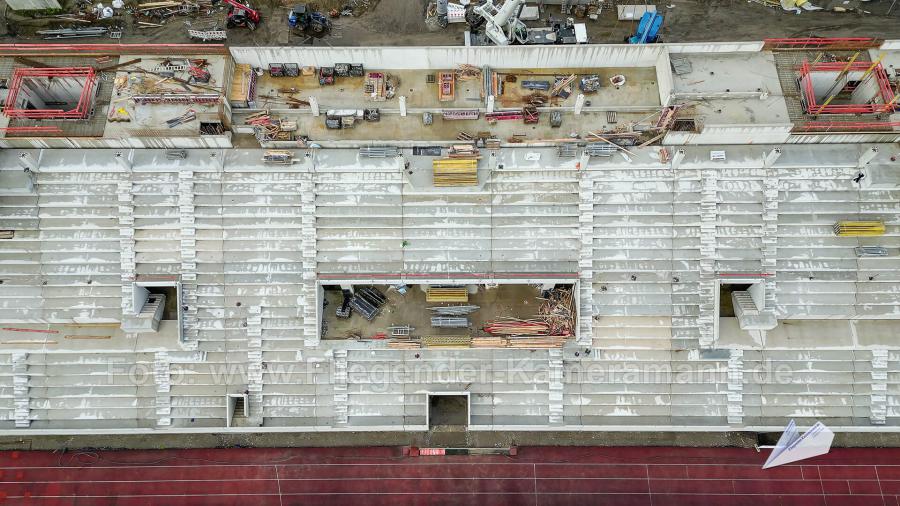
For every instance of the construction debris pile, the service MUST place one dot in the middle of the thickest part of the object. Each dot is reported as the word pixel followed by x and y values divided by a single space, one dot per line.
pixel 551 327
pixel 799 6
pixel 171 81
pixel 160 11
pixel 557 311
pixel 267 127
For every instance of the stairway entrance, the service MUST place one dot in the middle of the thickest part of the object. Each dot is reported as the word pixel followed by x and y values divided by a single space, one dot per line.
pixel 448 410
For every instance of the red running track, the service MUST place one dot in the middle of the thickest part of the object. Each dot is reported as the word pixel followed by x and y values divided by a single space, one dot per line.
pixel 537 476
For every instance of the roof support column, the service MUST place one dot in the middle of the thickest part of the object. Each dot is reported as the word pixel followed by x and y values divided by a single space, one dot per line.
pixel 770 231
pixel 708 282
pixel 255 364
pixel 736 387
pixel 878 396
pixel 126 242
pixel 586 257
pixel 556 386
pixel 188 258
pixel 21 390
pixel 308 299
pixel 162 377
pixel 339 387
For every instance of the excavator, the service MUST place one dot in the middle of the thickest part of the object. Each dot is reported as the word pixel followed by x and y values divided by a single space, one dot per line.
pixel 242 15
pixel 502 25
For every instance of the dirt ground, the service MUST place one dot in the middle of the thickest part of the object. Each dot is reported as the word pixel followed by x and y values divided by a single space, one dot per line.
pixel 448 410
pixel 515 301
pixel 401 23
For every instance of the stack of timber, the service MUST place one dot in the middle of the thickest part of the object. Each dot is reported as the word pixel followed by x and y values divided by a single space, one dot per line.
pixel 515 327
pixel 489 342
pixel 403 344
pixel 453 172
pixel 464 151
pixel 858 228
pixel 536 342
pixel 447 294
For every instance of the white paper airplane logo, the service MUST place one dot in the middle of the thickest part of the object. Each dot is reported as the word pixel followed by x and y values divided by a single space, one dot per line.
pixel 792 447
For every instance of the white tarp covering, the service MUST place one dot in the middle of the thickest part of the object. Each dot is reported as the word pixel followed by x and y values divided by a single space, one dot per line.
pixel 27 5
pixel 633 12
pixel 792 447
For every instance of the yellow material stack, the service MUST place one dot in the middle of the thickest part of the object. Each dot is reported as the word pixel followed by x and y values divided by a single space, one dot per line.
pixel 447 294
pixel 455 172
pixel 858 228
pixel 446 341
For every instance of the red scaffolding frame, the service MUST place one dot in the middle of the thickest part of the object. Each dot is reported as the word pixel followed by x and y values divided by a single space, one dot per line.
pixel 80 111
pixel 885 92
pixel 846 126
pixel 812 43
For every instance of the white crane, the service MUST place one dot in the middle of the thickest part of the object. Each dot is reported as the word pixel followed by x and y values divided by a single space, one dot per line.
pixel 503 24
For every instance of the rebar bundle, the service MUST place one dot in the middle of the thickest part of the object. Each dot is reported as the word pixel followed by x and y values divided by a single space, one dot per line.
pixel 449 322
pixel 454 310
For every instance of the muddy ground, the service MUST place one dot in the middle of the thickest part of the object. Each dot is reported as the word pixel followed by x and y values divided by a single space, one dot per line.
pixel 439 438
pixel 401 22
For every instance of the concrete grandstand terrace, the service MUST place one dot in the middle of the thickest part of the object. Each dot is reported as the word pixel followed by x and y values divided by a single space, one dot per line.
pixel 649 236
pixel 541 476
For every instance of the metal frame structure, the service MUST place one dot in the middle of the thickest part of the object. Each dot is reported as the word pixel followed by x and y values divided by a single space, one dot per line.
pixel 812 43
pixel 876 70
pixel 81 111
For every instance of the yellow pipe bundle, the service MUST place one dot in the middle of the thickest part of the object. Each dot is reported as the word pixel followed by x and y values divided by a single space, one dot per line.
pixel 446 341
pixel 858 228
pixel 447 294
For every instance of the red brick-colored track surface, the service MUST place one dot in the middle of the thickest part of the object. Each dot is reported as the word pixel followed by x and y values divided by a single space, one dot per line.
pixel 537 476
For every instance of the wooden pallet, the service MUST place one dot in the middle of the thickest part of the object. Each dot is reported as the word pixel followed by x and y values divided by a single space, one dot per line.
pixel 447 294
pixel 858 228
